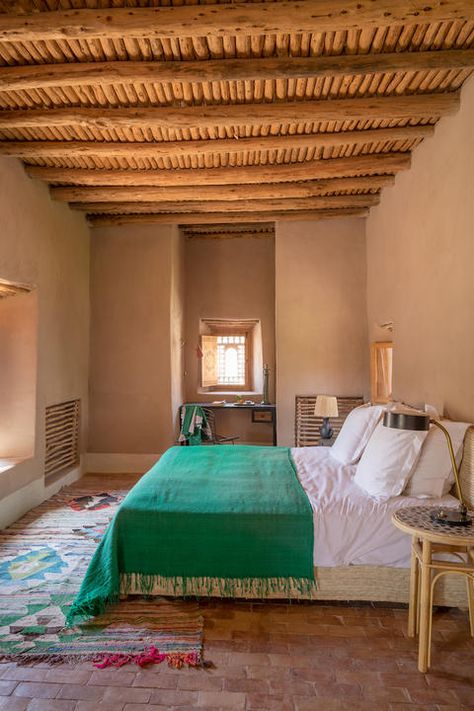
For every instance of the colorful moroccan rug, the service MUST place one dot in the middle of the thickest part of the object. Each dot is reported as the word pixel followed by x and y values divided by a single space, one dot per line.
pixel 43 558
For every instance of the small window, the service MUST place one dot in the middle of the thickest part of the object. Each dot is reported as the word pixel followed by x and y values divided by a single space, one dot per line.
pixel 226 355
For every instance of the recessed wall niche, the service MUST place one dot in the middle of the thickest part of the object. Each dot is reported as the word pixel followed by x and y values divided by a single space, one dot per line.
pixel 18 358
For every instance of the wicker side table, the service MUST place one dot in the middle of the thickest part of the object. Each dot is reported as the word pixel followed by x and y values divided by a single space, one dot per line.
pixel 429 538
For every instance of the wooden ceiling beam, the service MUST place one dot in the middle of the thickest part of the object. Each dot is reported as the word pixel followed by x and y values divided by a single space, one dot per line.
pixel 237 18
pixel 44 76
pixel 365 165
pixel 260 227
pixel 176 149
pixel 414 106
pixel 221 192
pixel 248 205
pixel 309 170
pixel 228 235
pixel 231 217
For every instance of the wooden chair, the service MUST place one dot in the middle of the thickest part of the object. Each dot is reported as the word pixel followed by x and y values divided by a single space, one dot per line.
pixel 216 438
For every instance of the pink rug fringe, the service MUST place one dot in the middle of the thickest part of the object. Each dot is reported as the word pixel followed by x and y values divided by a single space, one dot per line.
pixel 152 655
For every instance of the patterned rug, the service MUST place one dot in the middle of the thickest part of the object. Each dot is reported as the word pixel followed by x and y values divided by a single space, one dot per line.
pixel 43 558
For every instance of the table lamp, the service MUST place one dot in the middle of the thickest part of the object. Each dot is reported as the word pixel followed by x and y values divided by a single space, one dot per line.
pixel 421 421
pixel 326 407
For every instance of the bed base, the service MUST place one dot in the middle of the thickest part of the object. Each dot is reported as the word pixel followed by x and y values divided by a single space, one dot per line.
pixel 355 583
pixel 379 584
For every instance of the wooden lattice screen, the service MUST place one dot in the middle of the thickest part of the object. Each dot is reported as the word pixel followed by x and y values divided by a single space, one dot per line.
pixel 62 437
pixel 307 425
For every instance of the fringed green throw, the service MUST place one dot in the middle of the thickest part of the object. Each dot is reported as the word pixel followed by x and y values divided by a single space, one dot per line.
pixel 233 513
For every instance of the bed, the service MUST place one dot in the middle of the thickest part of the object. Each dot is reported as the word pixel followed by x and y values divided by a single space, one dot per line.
pixel 357 554
pixel 352 567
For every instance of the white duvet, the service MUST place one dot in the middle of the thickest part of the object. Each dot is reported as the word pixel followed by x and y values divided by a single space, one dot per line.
pixel 350 528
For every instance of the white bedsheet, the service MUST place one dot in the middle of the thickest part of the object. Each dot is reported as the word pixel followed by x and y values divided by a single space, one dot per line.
pixel 350 528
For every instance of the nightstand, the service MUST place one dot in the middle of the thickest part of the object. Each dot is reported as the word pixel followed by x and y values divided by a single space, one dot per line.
pixel 428 538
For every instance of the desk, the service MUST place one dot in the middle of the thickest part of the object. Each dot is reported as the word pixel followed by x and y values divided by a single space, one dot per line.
pixel 257 412
pixel 430 537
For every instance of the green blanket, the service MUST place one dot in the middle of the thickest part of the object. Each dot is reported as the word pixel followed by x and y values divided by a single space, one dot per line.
pixel 227 513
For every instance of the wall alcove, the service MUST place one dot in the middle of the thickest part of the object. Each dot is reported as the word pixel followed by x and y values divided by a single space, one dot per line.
pixel 18 358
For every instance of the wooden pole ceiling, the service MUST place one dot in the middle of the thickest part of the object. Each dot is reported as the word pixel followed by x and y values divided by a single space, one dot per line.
pixel 230 217
pixel 257 230
pixel 170 149
pixel 263 228
pixel 244 205
pixel 256 69
pixel 267 191
pixel 226 20
pixel 235 113
pixel 310 170
pixel 416 106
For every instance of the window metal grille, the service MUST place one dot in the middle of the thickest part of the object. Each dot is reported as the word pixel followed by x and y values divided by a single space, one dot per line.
pixel 63 425
pixel 231 360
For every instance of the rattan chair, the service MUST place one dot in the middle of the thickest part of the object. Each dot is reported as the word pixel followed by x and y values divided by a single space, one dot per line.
pixel 216 438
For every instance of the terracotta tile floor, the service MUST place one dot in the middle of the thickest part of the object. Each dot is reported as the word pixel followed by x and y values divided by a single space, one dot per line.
pixel 299 657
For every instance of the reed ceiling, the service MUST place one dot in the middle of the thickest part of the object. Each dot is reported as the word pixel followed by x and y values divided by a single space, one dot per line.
pixel 238 112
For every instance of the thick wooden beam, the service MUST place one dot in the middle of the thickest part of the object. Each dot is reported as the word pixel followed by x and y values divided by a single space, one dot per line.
pixel 413 106
pixel 237 18
pixel 222 227
pixel 224 231
pixel 378 163
pixel 228 235
pixel 221 192
pixel 175 149
pixel 217 217
pixel 44 76
pixel 247 205
pixel 310 170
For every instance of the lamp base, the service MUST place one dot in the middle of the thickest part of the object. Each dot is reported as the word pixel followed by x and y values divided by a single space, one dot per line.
pixel 325 430
pixel 451 517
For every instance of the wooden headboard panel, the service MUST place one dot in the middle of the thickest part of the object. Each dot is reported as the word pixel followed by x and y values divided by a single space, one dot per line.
pixel 467 469
pixel 307 425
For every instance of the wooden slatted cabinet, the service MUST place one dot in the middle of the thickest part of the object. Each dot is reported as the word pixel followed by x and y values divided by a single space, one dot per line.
pixel 63 426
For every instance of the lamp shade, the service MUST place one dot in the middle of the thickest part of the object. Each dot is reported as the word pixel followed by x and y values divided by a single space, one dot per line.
pixel 407 420
pixel 326 406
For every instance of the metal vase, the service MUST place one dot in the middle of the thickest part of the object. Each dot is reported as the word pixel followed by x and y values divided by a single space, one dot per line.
pixel 266 372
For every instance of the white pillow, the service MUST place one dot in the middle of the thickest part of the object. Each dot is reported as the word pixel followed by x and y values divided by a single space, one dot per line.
pixel 388 461
pixel 433 474
pixel 355 433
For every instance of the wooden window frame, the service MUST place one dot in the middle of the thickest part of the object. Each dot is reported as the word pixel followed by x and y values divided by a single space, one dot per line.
pixel 376 348
pixel 223 327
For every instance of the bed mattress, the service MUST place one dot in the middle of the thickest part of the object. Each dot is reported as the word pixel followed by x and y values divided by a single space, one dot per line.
pixel 351 528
